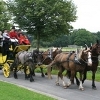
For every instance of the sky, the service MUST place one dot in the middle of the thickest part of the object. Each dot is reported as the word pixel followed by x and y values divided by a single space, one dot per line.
pixel 88 12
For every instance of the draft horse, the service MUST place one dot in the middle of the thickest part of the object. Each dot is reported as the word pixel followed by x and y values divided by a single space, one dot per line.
pixel 28 60
pixel 48 57
pixel 66 61
pixel 95 49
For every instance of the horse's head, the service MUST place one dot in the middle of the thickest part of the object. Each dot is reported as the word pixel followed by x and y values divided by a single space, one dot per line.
pixel 56 51
pixel 85 55
pixel 95 48
pixel 37 56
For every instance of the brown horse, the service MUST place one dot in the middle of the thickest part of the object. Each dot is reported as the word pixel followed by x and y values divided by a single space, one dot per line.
pixel 67 61
pixel 48 56
pixel 95 49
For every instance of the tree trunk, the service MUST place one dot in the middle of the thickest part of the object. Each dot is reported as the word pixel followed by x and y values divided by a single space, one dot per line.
pixel 38 40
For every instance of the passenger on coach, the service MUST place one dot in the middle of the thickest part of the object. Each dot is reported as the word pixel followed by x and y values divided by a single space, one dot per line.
pixel 23 39
pixel 13 37
pixel 6 41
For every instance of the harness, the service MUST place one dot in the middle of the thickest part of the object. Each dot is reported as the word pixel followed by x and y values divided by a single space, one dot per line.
pixel 76 60
pixel 95 60
pixel 49 55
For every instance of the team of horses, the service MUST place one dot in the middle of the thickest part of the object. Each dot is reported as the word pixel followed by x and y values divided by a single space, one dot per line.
pixel 72 62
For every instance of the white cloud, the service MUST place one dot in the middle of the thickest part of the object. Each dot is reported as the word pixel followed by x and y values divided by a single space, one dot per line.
pixel 88 12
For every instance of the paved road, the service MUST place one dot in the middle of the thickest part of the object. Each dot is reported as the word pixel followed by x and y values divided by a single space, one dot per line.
pixel 46 86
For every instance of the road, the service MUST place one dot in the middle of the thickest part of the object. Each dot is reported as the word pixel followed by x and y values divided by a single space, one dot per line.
pixel 48 87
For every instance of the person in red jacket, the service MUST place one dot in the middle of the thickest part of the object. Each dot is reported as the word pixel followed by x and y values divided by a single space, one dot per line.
pixel 13 37
pixel 23 39
pixel 13 33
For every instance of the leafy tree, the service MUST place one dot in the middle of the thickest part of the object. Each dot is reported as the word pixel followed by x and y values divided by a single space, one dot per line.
pixel 82 37
pixel 97 35
pixel 4 16
pixel 62 41
pixel 45 19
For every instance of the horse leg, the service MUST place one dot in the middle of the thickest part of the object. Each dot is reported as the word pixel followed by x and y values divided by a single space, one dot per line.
pixel 49 69
pixel 15 73
pixel 26 77
pixel 71 78
pixel 84 76
pixel 80 86
pixel 93 80
pixel 42 74
pixel 61 76
pixel 32 68
pixel 47 73
pixel 31 75
pixel 77 80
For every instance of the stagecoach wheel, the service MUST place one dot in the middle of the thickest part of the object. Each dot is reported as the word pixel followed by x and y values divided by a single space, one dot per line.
pixel 6 70
pixel 27 70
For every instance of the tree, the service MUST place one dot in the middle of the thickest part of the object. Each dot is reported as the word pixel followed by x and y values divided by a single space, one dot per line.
pixel 97 35
pixel 82 37
pixel 45 19
pixel 4 16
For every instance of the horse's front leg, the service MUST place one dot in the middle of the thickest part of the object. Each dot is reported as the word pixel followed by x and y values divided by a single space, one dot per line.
pixel 81 85
pixel 49 72
pixel 77 80
pixel 26 76
pixel 42 74
pixel 84 76
pixel 15 73
pixel 93 80
pixel 71 78
pixel 31 75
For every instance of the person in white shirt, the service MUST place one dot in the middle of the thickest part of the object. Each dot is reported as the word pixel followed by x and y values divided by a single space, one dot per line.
pixel 6 40
pixel 6 35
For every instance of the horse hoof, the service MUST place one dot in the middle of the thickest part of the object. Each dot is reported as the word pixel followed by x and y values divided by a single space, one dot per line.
pixel 46 74
pixel 16 77
pixel 33 74
pixel 26 78
pixel 94 88
pixel 82 89
pixel 65 87
pixel 68 85
pixel 31 80
pixel 57 84
pixel 43 75
pixel 49 77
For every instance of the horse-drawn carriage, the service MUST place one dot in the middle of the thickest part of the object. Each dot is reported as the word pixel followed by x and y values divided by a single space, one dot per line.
pixel 7 57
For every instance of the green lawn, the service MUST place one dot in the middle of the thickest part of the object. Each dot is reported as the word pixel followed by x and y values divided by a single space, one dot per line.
pixel 13 92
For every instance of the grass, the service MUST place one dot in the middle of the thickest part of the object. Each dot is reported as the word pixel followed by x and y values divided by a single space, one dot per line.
pixel 12 92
